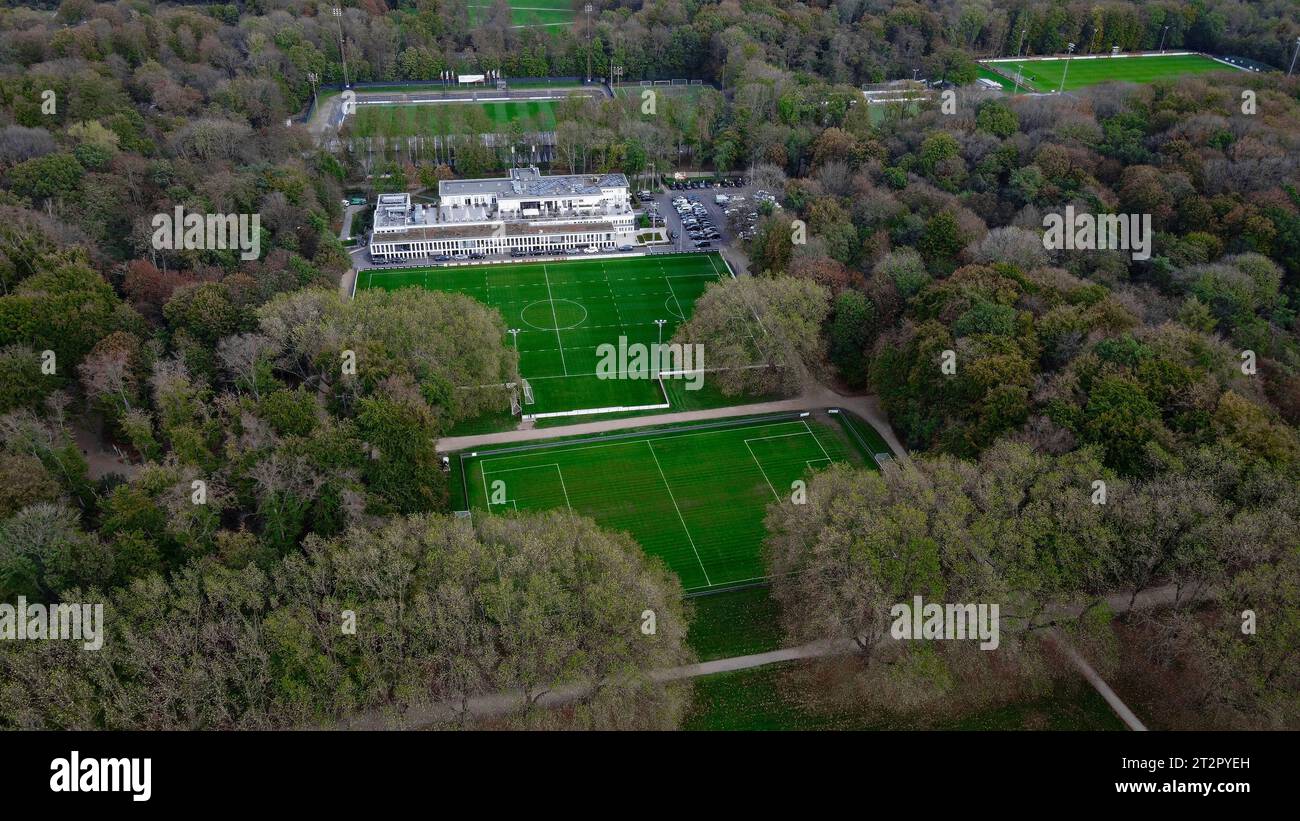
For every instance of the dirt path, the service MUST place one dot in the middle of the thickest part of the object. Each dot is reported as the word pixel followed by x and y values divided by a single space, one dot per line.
pixel 497 704
pixel 345 284
pixel 867 407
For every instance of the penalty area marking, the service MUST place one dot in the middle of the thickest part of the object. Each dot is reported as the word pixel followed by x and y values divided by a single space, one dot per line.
pixel 558 470
pixel 808 462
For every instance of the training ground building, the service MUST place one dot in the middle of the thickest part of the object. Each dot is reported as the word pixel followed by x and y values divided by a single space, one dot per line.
pixel 525 211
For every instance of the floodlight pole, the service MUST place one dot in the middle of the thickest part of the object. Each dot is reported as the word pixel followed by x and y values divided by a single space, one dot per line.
pixel 343 55
pixel 515 333
pixel 1066 73
pixel 1162 40
pixel 1293 56
pixel 661 323
pixel 587 8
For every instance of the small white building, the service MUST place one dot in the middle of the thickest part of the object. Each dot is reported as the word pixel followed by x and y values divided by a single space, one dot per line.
pixel 522 212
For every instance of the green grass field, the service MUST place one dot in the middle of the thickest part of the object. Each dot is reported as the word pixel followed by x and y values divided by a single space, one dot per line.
pixel 529 12
pixel 1045 75
pixel 694 496
pixel 763 699
pixel 442 119
pixel 566 309
pixel 735 623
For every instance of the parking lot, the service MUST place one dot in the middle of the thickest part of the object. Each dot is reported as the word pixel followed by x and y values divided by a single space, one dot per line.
pixel 702 212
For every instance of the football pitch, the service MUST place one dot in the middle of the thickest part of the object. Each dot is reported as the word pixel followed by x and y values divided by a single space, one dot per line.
pixel 1045 75
pixel 695 496
pixel 565 310
pixel 443 119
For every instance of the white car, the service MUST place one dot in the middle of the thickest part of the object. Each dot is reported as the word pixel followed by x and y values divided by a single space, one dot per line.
pixel 590 249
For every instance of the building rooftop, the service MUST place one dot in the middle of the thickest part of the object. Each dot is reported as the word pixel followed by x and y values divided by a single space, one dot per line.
pixel 529 182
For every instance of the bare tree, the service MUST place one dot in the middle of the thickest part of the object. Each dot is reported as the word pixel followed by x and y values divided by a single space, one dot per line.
pixel 243 354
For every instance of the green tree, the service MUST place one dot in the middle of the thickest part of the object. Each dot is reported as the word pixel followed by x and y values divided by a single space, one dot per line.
pixel 851 333
pixel 447 610
pixel 403 466
pixel 760 335
pixel 54 176
pixel 997 119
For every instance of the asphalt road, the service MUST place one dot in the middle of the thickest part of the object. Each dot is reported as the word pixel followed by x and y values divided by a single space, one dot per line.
pixel 349 212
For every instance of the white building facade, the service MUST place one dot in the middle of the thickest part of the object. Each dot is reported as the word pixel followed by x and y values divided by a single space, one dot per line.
pixel 523 212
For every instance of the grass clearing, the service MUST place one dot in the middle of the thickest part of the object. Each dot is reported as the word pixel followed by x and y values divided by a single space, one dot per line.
pixel 695 496
pixel 566 309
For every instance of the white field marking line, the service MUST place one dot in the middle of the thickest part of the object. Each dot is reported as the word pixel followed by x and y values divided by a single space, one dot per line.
pixel 483 461
pixel 728 581
pixel 783 436
pixel 613 299
pixel 555 319
pixel 815 439
pixel 760 470
pixel 680 310
pixel 679 511
pixel 555 465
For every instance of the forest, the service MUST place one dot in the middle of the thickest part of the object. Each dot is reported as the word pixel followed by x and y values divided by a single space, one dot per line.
pixel 133 377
